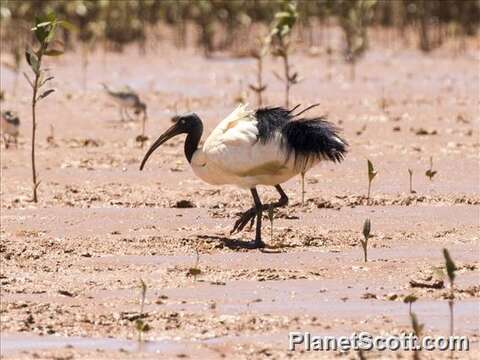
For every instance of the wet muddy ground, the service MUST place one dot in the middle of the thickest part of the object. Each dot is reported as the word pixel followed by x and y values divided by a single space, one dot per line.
pixel 71 265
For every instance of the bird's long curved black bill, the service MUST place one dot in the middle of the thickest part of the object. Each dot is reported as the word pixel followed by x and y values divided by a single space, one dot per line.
pixel 173 131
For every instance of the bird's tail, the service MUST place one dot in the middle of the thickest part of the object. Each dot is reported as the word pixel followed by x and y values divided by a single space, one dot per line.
pixel 314 139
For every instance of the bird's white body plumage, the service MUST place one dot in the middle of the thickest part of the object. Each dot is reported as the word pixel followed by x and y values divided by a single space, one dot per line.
pixel 233 154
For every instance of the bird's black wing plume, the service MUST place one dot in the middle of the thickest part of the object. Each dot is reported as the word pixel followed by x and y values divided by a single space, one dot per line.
pixel 271 120
pixel 313 138
pixel 305 138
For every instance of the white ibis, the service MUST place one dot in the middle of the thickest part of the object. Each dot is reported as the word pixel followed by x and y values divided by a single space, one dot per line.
pixel 10 127
pixel 250 148
pixel 127 99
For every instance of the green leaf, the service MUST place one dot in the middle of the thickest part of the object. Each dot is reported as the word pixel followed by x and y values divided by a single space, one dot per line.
pixel 51 33
pixel 430 173
pixel 410 299
pixel 67 25
pixel 371 171
pixel 194 272
pixel 45 94
pixel 44 18
pixel 139 325
pixel 32 60
pixel 270 213
pixel 41 32
pixel 450 265
pixel 366 229
pixel 142 326
pixel 53 52
pixel 47 79
pixel 143 286
pixel 45 27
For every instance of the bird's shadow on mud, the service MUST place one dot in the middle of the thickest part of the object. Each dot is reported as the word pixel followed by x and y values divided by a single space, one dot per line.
pixel 236 244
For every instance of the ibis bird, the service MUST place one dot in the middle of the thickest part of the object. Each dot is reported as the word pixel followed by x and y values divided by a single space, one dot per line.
pixel 10 127
pixel 127 99
pixel 248 148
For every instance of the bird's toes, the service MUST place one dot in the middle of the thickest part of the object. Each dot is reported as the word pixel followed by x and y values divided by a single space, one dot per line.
pixel 243 221
pixel 252 221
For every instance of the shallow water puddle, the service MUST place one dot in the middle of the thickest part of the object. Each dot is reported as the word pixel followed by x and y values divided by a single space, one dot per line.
pixel 16 342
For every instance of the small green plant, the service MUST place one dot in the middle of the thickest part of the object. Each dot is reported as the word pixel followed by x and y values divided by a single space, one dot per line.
pixel 195 271
pixel 270 217
pixel 430 173
pixel 410 299
pixel 303 187
pixel 410 174
pixel 140 325
pixel 355 16
pixel 417 330
pixel 450 267
pixel 382 102
pixel 260 87
pixel 279 41
pixel 44 31
pixel 366 235
pixel 371 175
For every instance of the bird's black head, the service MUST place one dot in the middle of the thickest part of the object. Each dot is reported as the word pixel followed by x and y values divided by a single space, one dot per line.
pixel 185 124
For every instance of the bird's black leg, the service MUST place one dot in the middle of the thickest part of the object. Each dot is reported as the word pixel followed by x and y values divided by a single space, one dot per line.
pixel 258 243
pixel 283 201
pixel 250 214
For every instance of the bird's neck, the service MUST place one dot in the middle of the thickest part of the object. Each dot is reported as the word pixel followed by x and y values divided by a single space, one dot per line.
pixel 192 140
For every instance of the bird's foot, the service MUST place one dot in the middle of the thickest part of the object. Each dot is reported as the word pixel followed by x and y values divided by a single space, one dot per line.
pixel 255 244
pixel 243 220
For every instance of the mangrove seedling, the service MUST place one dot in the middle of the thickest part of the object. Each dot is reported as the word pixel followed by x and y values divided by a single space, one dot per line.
pixel 259 87
pixel 270 217
pixel 51 137
pixel 142 326
pixel 44 31
pixel 371 175
pixel 355 16
pixel 430 173
pixel 450 267
pixel 382 102
pixel 195 271
pixel 410 174
pixel 302 174
pixel 417 330
pixel 410 299
pixel 366 235
pixel 279 41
